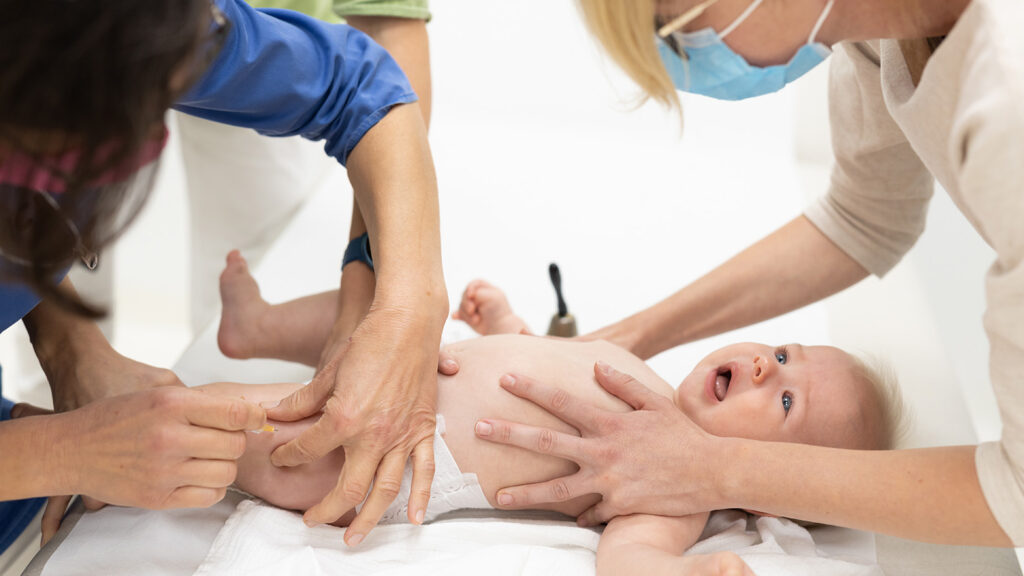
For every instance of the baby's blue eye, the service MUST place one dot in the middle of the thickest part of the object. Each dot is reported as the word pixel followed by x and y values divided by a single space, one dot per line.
pixel 787 402
pixel 781 355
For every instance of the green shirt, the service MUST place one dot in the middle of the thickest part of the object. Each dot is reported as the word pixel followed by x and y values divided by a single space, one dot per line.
pixel 335 10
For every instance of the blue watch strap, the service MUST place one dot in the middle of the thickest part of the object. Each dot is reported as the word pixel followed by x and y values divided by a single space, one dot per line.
pixel 358 250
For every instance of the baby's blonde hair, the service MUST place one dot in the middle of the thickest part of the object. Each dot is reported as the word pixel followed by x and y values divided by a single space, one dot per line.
pixel 895 420
pixel 625 28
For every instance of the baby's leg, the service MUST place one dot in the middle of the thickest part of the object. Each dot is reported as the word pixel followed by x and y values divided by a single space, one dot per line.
pixel 295 488
pixel 486 309
pixel 251 328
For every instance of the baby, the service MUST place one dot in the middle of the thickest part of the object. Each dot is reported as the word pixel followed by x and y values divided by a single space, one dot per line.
pixel 810 394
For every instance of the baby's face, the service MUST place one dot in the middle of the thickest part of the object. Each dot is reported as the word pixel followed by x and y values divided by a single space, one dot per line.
pixel 793 393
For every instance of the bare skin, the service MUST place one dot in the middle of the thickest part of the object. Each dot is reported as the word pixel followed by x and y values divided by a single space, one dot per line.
pixel 745 389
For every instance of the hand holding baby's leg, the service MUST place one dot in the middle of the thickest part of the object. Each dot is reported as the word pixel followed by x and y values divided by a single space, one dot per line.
pixel 486 309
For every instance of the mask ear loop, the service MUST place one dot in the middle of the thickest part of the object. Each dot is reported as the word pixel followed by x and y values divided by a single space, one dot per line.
pixel 685 18
pixel 739 19
pixel 821 21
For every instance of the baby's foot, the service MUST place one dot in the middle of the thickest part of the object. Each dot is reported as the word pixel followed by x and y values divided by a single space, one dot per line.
pixel 486 310
pixel 242 310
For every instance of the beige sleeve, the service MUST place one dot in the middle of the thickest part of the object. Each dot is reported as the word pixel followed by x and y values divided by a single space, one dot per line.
pixel 876 205
pixel 988 148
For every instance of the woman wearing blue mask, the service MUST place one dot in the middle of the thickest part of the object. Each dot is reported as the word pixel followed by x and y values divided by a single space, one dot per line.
pixel 944 103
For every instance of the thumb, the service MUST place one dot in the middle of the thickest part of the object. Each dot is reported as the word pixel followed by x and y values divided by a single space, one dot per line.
pixel 53 515
pixel 595 515
pixel 22 409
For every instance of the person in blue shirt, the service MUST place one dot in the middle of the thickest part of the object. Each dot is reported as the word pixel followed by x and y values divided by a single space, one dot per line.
pixel 82 100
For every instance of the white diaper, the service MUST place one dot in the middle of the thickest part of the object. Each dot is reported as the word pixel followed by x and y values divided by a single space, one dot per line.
pixel 451 489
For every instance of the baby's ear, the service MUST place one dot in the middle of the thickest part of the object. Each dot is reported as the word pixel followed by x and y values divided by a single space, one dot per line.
pixel 756 513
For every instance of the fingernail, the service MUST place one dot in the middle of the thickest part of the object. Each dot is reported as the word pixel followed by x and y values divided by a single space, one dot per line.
pixel 270 405
pixel 508 381
pixel 355 539
pixel 505 499
pixel 483 428
pixel 419 517
pixel 309 522
pixel 450 365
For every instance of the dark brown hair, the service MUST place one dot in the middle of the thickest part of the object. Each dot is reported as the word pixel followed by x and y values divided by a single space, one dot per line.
pixel 97 77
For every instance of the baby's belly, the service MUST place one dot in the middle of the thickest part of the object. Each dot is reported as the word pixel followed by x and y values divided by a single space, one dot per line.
pixel 474 393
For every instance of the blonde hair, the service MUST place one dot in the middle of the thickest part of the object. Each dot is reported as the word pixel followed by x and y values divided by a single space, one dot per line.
pixel 895 419
pixel 625 29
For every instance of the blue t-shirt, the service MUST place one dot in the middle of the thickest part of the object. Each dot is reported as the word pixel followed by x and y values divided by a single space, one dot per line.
pixel 283 73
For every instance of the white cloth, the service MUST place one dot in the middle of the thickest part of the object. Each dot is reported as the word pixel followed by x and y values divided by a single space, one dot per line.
pixel 450 490
pixel 260 539
pixel 779 546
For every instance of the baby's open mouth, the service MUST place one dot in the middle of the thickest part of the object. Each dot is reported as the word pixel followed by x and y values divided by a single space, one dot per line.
pixel 722 383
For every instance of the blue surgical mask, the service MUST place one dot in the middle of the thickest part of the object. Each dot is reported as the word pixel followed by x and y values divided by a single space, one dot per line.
pixel 713 69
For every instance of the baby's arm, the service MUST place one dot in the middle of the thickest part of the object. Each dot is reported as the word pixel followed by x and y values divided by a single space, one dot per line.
pixel 487 311
pixel 652 545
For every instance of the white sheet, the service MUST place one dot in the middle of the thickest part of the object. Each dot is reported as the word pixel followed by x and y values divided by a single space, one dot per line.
pixel 259 539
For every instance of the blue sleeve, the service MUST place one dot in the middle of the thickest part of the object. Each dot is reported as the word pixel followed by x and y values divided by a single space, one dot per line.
pixel 16 301
pixel 283 73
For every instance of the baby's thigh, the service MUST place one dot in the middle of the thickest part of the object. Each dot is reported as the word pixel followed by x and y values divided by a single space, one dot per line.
pixel 294 488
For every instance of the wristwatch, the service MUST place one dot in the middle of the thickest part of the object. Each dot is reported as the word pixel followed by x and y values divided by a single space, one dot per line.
pixel 358 250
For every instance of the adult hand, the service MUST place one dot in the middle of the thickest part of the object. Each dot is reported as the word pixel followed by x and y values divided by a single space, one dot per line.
pixel 378 397
pixel 652 460
pixel 161 448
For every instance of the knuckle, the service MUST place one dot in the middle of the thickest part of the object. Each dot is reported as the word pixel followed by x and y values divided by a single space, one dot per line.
pixel 388 487
pixel 161 439
pixel 425 464
pixel 237 415
pixel 560 399
pixel 228 474
pixel 237 445
pixel 354 491
pixel 421 494
pixel 504 433
pixel 546 441
pixel 303 452
pixel 166 378
pixel 559 492
pixel 167 399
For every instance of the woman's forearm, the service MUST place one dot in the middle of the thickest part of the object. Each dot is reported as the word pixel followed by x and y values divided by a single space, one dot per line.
pixel 794 266
pixel 928 494
pixel 59 337
pixel 392 173
pixel 30 459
